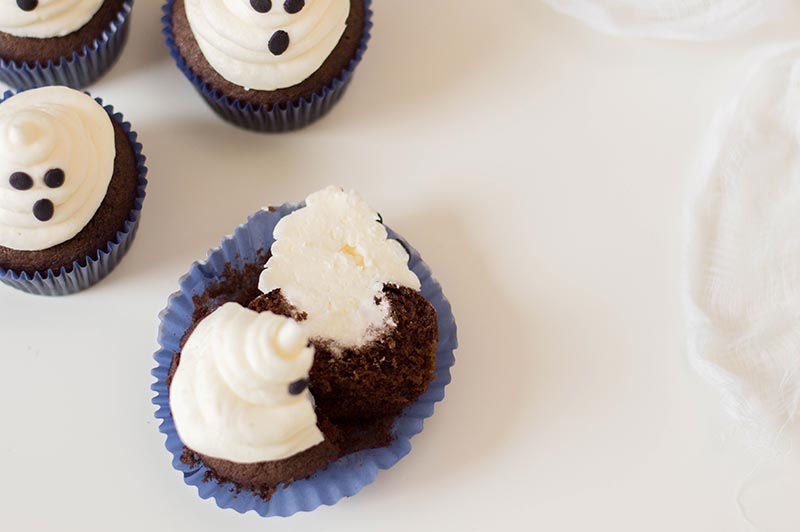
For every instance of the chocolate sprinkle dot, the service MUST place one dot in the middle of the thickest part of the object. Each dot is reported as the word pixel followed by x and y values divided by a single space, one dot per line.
pixel 28 5
pixel 298 387
pixel 54 178
pixel 279 42
pixel 20 181
pixel 293 6
pixel 262 6
pixel 43 210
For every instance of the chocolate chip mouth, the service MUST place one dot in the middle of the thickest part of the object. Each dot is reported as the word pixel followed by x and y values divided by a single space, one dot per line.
pixel 279 42
pixel 43 210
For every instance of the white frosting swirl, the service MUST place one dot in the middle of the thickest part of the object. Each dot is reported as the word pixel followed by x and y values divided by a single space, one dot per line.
pixel 42 130
pixel 331 260
pixel 50 18
pixel 234 38
pixel 230 395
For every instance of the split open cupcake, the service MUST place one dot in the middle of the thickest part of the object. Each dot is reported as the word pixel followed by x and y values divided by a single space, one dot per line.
pixel 301 357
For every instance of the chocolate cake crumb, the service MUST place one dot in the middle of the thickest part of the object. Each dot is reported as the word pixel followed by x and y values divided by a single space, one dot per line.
pixel 275 302
pixel 239 285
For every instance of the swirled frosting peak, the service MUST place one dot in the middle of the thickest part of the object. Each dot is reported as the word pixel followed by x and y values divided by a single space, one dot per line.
pixel 239 392
pixel 44 19
pixel 267 44
pixel 56 160
pixel 331 260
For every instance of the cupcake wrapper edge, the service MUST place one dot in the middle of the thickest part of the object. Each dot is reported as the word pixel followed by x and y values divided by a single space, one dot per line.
pixel 81 68
pixel 79 276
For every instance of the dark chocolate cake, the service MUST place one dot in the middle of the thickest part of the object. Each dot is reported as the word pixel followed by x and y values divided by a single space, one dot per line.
pixel 381 378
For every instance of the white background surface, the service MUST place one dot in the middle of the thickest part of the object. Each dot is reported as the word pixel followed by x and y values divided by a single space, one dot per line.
pixel 541 170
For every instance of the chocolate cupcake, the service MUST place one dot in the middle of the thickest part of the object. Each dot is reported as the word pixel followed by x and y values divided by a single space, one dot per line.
pixel 60 42
pixel 323 289
pixel 264 65
pixel 239 396
pixel 72 182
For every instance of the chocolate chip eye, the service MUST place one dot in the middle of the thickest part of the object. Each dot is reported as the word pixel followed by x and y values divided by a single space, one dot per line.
pixel 54 178
pixel 43 210
pixel 293 6
pixel 262 6
pixel 298 387
pixel 279 42
pixel 20 181
pixel 28 5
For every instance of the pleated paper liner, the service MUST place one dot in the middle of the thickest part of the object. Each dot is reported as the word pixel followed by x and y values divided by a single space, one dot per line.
pixel 343 478
pixel 78 70
pixel 98 264
pixel 282 117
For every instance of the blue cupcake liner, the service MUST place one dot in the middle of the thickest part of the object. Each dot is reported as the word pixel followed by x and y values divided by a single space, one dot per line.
pixel 78 70
pixel 348 475
pixel 77 277
pixel 281 117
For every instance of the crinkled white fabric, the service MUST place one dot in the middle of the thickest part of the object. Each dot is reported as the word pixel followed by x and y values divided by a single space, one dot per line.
pixel 744 251
pixel 672 19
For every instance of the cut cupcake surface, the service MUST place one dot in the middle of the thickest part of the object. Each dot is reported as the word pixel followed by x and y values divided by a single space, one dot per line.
pixel 48 30
pixel 359 387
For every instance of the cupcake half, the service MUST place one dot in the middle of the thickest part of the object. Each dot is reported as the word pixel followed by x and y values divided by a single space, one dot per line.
pixel 72 180
pixel 268 65
pixel 60 42
pixel 313 346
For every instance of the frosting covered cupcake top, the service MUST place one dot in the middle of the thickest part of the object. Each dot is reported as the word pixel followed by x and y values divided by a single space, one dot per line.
pixel 331 260
pixel 240 390
pixel 56 160
pixel 44 19
pixel 267 44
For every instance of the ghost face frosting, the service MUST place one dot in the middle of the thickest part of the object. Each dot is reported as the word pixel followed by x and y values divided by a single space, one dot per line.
pixel 331 260
pixel 44 19
pixel 267 44
pixel 56 161
pixel 240 390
